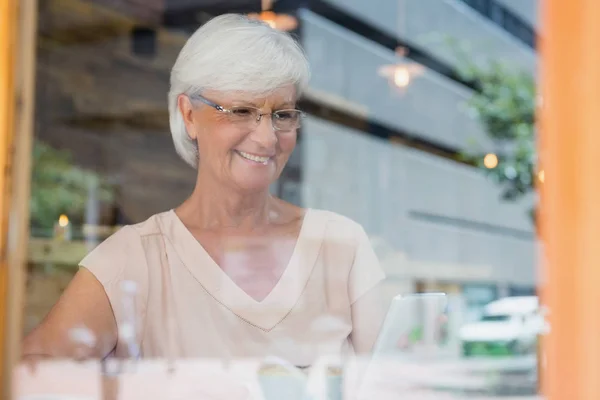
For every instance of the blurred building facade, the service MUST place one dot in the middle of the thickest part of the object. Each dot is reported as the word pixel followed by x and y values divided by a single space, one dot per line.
pixel 383 158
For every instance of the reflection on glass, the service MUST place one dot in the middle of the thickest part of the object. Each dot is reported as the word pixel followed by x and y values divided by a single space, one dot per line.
pixel 403 168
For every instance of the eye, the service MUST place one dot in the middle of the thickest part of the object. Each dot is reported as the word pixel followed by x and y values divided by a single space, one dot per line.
pixel 242 111
pixel 285 115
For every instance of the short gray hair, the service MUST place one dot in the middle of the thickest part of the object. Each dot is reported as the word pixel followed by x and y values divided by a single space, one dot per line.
pixel 232 53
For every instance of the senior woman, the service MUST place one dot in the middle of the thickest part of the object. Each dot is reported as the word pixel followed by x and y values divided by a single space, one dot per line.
pixel 233 271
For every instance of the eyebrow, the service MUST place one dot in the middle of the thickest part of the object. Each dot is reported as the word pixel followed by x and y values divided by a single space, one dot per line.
pixel 245 103
pixel 283 106
pixel 286 105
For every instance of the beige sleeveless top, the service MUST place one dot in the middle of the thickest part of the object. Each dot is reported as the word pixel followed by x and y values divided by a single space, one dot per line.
pixel 187 306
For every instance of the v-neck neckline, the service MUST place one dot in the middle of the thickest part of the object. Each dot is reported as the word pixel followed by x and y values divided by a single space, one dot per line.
pixel 268 312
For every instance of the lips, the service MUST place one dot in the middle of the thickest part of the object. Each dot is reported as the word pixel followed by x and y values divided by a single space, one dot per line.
pixel 254 157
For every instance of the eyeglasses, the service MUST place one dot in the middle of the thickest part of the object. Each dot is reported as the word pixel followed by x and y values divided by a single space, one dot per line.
pixel 249 117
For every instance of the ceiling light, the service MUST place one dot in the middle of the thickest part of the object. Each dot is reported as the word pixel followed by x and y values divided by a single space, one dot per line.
pixel 282 22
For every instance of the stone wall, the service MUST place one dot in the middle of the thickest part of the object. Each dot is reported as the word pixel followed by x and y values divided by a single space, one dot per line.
pixel 108 107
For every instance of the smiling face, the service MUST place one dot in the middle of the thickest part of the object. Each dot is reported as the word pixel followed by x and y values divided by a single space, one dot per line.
pixel 247 157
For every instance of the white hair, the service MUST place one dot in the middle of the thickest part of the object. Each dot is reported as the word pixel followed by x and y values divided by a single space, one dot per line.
pixel 232 53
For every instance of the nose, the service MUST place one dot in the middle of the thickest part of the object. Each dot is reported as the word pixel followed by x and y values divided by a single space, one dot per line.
pixel 264 134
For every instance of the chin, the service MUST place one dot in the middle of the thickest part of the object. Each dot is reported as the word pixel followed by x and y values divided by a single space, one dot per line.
pixel 254 179
pixel 254 184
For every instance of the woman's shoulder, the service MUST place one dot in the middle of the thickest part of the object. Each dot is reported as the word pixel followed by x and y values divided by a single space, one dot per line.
pixel 334 218
pixel 150 226
pixel 337 225
pixel 137 231
pixel 348 244
pixel 123 250
pixel 318 217
pixel 128 238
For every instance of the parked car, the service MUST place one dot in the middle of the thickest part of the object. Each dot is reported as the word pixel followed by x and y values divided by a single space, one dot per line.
pixel 508 326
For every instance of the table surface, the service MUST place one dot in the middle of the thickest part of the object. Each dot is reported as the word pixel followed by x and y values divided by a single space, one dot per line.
pixel 385 378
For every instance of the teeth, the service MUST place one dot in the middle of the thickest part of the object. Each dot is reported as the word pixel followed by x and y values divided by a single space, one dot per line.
pixel 251 157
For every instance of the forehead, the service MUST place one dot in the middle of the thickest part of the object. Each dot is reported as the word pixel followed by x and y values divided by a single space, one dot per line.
pixel 283 95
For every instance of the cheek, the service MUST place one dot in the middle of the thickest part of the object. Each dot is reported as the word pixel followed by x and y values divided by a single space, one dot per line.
pixel 287 142
pixel 217 139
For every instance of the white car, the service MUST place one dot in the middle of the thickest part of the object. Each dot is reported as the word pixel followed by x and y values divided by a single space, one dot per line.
pixel 507 326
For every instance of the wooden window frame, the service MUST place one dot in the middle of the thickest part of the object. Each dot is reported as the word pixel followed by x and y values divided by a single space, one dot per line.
pixel 569 149
pixel 18 31
pixel 569 152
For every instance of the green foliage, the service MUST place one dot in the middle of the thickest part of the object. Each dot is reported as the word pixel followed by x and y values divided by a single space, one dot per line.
pixel 505 106
pixel 59 187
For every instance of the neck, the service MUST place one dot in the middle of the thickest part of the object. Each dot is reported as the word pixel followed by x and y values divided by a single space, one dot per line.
pixel 214 206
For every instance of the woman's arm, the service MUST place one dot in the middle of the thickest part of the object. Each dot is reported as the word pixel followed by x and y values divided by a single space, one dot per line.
pixel 365 289
pixel 368 314
pixel 84 304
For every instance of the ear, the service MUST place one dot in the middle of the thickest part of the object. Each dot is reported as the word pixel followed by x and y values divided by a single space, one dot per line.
pixel 187 112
